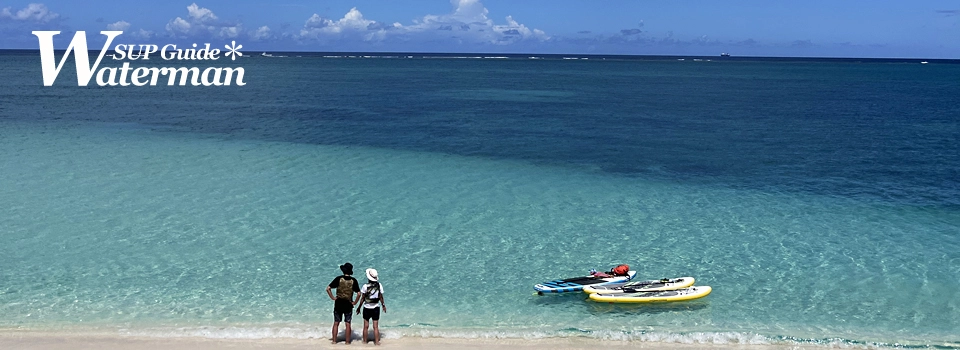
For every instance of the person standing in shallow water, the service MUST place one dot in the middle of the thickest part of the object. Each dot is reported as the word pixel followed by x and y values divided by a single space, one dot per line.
pixel 372 294
pixel 343 303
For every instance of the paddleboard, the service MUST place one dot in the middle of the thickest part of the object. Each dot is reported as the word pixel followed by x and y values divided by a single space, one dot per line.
pixel 576 284
pixel 641 286
pixel 688 293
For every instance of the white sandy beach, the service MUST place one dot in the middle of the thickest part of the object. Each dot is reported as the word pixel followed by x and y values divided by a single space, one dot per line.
pixel 27 340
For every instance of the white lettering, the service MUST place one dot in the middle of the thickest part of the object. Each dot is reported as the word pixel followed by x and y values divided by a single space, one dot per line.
pixel 229 72
pixel 130 52
pixel 163 52
pixel 140 73
pixel 113 76
pixel 205 78
pixel 123 74
pixel 119 51
pixel 150 49
pixel 204 52
pixel 184 54
pixel 78 45
pixel 172 72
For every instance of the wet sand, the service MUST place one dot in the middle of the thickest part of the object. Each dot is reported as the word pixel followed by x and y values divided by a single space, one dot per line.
pixel 27 340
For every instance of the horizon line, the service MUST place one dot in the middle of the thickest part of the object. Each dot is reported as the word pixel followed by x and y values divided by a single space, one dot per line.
pixel 717 57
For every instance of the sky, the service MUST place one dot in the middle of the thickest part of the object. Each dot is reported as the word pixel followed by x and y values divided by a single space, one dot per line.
pixel 810 28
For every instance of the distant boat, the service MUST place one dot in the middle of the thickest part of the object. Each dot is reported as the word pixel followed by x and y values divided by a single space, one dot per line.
pixel 924 62
pixel 724 54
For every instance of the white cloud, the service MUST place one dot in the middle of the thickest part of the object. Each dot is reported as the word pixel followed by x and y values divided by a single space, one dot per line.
pixel 200 14
pixel 261 33
pixel 119 25
pixel 351 25
pixel 469 20
pixel 469 9
pixel 33 12
pixel 467 23
pixel 178 26
pixel 229 32
pixel 202 22
pixel 143 34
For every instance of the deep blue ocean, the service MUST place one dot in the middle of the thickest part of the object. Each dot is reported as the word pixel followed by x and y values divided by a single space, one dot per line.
pixel 819 198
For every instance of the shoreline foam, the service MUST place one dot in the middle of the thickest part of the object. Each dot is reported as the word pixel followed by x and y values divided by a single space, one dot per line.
pixel 295 337
pixel 67 340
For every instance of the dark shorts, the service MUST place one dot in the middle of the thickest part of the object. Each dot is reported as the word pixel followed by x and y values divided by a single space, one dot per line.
pixel 371 313
pixel 342 311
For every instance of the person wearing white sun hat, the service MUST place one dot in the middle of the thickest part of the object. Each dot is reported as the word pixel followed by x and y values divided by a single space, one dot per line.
pixel 372 294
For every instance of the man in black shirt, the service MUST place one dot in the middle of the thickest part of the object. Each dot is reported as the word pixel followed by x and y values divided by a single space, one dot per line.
pixel 343 303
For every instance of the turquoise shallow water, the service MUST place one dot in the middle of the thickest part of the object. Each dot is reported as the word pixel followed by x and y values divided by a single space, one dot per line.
pixel 158 233
pixel 830 216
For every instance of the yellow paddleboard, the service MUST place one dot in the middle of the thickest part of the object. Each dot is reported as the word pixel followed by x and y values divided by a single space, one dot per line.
pixel 641 286
pixel 688 293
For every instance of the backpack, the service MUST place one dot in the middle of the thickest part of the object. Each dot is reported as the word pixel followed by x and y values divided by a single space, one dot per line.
pixel 621 270
pixel 345 288
pixel 374 287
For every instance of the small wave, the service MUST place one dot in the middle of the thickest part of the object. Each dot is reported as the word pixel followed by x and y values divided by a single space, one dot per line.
pixel 612 335
pixel 233 332
pixel 433 331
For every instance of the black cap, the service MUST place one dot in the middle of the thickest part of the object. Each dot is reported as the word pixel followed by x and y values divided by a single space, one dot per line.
pixel 347 268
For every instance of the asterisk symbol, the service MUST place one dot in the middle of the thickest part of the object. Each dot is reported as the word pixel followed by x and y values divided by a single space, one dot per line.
pixel 233 50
